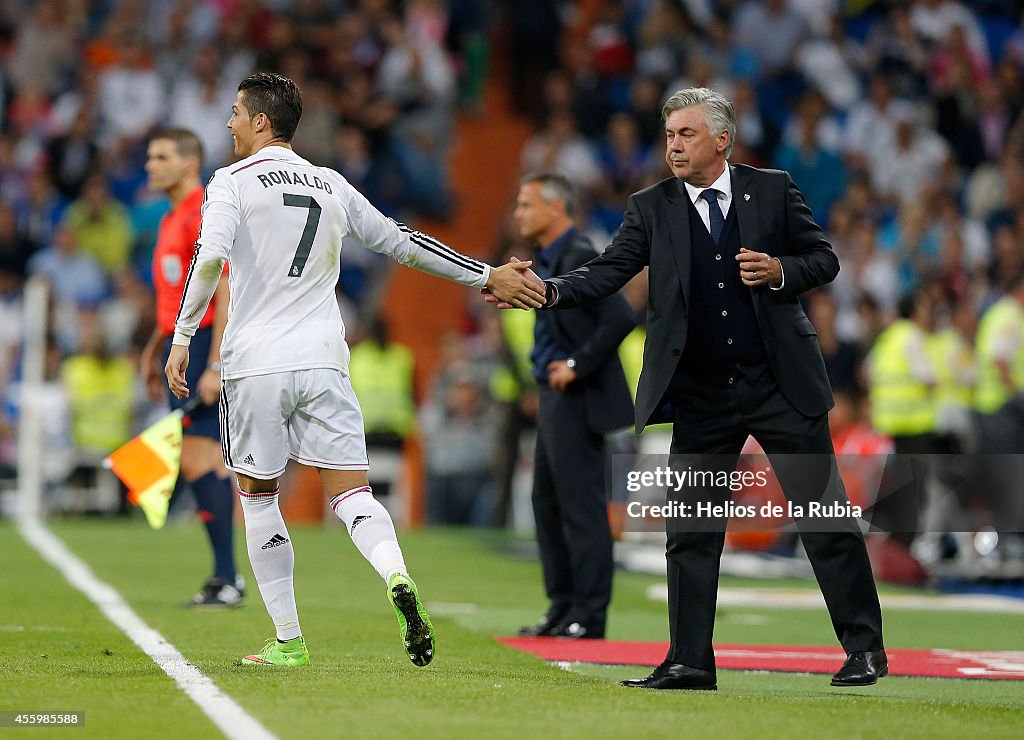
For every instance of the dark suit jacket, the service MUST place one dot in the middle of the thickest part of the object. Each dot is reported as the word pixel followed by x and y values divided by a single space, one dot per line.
pixel 772 218
pixel 592 334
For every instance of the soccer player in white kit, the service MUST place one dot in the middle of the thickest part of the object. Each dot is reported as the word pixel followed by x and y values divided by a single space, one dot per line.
pixel 285 387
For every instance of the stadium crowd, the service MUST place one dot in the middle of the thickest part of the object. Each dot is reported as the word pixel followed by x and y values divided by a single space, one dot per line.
pixel 901 122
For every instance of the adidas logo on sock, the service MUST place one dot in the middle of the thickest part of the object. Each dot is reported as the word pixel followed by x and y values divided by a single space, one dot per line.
pixel 274 541
pixel 248 460
pixel 357 521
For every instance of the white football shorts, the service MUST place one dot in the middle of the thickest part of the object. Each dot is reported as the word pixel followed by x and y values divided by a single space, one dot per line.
pixel 311 416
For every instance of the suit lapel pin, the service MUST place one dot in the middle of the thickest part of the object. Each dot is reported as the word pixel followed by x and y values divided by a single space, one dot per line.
pixel 746 196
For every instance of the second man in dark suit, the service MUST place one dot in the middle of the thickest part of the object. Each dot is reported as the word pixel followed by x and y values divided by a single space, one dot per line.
pixel 583 396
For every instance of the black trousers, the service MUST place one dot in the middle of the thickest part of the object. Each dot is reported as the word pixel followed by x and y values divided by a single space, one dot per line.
pixel 571 511
pixel 714 417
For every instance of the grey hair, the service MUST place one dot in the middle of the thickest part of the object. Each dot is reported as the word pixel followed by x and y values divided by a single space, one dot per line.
pixel 718 111
pixel 555 186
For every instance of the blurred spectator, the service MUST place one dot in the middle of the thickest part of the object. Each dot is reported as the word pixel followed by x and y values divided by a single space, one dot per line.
pixel 810 157
pixel 872 122
pixel 44 47
pixel 101 225
pixel 536 30
pixel 101 390
pixel 15 249
pixel 957 74
pixel 460 433
pixel 40 210
pixel 833 63
pixel 382 375
pixel 624 161
pixel 72 156
pixel 866 270
pixel 201 100
pixel 896 51
pixel 559 146
pixel 916 157
pixel 935 21
pixel 74 277
pixel 841 357
pixel 771 31
pixel 132 96
pixel 315 135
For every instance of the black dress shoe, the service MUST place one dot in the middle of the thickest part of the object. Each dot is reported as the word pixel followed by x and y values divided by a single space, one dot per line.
pixel 577 631
pixel 546 627
pixel 675 676
pixel 862 669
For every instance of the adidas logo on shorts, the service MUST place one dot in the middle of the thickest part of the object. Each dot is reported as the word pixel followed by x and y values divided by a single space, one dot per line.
pixel 274 541
pixel 248 460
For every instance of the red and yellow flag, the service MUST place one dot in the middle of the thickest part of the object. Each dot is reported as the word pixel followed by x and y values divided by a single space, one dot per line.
pixel 148 465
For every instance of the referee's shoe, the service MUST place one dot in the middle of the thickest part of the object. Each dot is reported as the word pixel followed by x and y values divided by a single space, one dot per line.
pixel 218 593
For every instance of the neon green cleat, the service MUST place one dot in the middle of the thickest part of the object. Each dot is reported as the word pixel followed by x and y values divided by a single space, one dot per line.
pixel 413 620
pixel 290 653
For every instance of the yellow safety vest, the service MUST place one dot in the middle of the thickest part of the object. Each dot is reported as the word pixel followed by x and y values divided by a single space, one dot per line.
pixel 507 383
pixel 952 358
pixel 1005 315
pixel 383 381
pixel 901 405
pixel 631 355
pixel 102 395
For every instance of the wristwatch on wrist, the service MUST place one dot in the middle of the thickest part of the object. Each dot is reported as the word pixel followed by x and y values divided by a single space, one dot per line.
pixel 571 363
pixel 215 366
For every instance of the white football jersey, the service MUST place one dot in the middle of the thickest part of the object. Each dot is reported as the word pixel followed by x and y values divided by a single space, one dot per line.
pixel 280 221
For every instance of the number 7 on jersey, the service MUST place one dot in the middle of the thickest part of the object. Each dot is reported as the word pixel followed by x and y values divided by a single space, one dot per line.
pixel 308 233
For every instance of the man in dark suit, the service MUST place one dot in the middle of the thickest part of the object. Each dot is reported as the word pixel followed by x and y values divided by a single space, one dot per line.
pixel 732 353
pixel 583 395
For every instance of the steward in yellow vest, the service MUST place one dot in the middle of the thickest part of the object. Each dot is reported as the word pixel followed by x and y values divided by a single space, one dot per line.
pixel 382 377
pixel 901 374
pixel 1000 352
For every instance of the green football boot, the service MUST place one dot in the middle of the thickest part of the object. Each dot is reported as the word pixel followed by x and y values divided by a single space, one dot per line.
pixel 413 620
pixel 290 653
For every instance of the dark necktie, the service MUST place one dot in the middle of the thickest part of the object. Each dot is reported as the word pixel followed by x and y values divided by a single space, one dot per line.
pixel 717 219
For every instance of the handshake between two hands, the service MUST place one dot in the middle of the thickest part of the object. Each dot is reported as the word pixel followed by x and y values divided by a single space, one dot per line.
pixel 515 285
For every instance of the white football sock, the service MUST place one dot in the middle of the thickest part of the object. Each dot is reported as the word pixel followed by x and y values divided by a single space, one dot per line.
pixel 272 559
pixel 371 529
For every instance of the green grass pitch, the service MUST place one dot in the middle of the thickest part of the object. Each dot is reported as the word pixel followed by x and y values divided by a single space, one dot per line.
pixel 58 653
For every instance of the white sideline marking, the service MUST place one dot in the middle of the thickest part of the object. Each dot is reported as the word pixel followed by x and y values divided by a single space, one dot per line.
pixel 222 710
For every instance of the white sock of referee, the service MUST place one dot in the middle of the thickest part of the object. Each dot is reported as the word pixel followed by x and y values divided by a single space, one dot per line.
pixel 272 559
pixel 371 529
